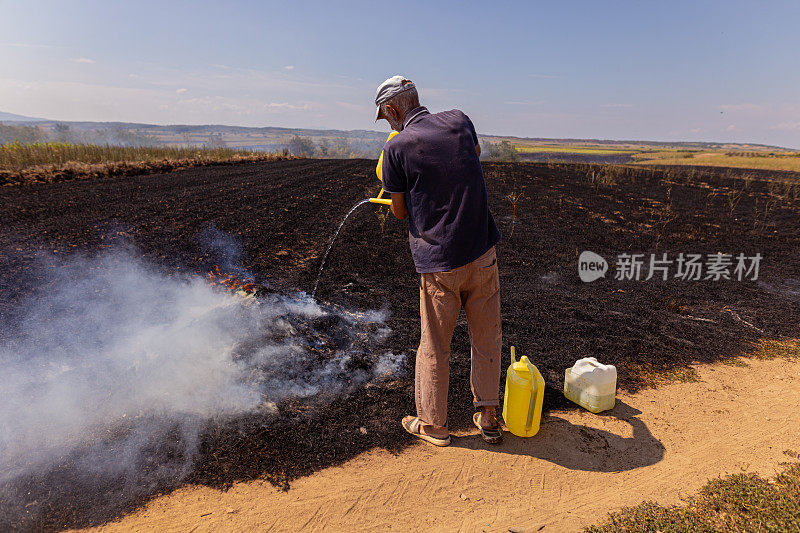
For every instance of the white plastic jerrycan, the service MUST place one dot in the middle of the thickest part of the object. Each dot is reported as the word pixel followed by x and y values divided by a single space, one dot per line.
pixel 591 385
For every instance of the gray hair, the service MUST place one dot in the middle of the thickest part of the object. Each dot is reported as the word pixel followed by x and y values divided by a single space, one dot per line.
pixel 405 101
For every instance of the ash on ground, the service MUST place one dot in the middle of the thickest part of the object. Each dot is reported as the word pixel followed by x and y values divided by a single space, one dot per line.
pixel 119 377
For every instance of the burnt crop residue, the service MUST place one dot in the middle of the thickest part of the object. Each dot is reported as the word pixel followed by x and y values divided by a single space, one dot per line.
pixel 283 213
pixel 117 376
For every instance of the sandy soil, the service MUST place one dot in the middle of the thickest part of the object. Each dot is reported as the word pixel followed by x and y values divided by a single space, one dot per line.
pixel 657 444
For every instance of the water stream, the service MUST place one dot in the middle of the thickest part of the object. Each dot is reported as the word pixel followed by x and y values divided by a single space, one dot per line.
pixel 330 244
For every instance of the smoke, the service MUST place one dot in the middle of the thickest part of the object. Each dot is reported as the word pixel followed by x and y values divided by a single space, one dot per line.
pixel 226 251
pixel 117 367
pixel 111 136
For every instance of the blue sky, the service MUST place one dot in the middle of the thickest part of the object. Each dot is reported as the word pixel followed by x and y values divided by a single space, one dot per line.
pixel 699 70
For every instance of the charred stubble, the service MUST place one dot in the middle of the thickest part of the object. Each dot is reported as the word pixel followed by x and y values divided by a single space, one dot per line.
pixel 284 212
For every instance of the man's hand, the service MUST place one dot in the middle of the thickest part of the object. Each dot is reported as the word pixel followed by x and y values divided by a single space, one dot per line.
pixel 478 149
pixel 399 208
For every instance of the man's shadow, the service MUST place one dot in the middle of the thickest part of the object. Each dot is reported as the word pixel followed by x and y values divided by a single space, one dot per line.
pixel 580 447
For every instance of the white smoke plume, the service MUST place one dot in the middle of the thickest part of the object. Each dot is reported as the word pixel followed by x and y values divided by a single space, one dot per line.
pixel 116 358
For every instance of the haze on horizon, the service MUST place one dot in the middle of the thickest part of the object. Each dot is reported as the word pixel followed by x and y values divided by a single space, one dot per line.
pixel 679 71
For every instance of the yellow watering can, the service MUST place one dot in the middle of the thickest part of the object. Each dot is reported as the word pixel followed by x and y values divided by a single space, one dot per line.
pixel 379 171
pixel 522 405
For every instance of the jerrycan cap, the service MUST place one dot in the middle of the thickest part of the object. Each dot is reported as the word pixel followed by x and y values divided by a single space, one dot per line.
pixel 518 365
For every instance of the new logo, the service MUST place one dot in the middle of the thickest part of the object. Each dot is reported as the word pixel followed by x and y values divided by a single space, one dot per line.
pixel 591 266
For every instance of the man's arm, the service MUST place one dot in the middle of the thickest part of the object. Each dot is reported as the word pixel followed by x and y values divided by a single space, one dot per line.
pixel 399 208
pixel 474 134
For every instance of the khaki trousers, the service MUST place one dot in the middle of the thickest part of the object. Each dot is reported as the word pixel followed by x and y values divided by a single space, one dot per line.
pixel 476 287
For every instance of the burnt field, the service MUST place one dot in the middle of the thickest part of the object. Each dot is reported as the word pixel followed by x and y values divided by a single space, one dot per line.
pixel 283 214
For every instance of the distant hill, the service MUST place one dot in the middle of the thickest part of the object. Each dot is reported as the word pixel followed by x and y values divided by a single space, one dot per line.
pixel 364 143
pixel 11 117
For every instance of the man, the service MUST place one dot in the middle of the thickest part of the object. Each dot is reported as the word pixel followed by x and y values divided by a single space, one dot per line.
pixel 432 170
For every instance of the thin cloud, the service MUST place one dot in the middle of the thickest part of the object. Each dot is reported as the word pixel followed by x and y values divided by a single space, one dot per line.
pixel 742 107
pixel 431 92
pixel 82 60
pixel 543 76
pixel 221 79
pixel 27 45
pixel 181 90
pixel 355 107
pixel 253 77
pixel 240 106
pixel 617 106
pixel 787 126
pixel 288 67
pixel 524 102
pixel 286 105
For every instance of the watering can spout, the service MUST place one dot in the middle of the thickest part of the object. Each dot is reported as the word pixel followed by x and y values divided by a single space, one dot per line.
pixel 379 200
pixel 379 171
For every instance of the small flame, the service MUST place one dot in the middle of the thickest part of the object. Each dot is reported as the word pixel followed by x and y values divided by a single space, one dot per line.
pixel 229 281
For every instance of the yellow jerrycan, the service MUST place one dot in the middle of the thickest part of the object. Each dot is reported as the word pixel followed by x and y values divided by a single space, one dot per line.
pixel 379 171
pixel 522 405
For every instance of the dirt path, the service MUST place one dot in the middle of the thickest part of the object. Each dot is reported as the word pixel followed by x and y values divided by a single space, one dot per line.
pixel 657 444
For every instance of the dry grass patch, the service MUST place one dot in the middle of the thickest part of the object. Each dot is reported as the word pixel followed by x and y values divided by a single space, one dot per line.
pixel 740 502
pixel 783 161
pixel 48 162
pixel 771 349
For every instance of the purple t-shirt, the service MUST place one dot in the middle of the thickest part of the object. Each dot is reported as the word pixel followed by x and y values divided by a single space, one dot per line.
pixel 433 161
